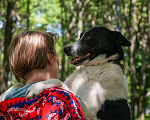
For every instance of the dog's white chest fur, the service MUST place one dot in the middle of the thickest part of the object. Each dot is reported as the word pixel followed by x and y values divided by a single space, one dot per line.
pixel 96 83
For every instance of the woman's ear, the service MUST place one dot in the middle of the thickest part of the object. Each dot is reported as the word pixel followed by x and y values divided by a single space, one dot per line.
pixel 49 57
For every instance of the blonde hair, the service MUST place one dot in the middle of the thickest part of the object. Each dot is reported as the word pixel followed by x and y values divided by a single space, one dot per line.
pixel 28 50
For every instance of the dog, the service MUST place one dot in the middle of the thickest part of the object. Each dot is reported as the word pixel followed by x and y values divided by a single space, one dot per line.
pixel 100 84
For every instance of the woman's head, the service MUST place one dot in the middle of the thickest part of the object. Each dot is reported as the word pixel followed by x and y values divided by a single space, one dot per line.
pixel 28 50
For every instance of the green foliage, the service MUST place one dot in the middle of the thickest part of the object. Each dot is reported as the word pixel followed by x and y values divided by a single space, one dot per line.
pixel 2 58
pixel 44 12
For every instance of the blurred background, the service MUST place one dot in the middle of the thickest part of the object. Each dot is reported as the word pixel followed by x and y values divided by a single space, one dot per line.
pixel 69 18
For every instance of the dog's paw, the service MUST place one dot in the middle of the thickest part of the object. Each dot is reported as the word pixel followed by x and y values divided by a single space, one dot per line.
pixel 64 86
pixel 34 90
pixel 37 88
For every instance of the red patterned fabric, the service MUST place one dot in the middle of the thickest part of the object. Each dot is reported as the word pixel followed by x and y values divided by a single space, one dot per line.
pixel 51 104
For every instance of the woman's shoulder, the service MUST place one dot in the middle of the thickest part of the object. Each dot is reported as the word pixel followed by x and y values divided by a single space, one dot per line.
pixel 17 90
pixel 51 103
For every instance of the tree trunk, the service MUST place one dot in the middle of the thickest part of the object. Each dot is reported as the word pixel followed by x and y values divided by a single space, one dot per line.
pixel 28 14
pixel 81 6
pixel 133 60
pixel 63 55
pixel 80 15
pixel 143 79
pixel 117 15
pixel 93 21
pixel 133 77
pixel 8 37
pixel 149 32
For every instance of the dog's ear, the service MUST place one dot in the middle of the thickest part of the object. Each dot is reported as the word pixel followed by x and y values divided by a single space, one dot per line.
pixel 117 38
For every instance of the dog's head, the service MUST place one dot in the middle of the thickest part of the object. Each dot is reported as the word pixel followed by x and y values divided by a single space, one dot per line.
pixel 94 42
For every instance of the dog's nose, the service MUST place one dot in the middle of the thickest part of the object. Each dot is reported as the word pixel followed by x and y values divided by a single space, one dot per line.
pixel 67 50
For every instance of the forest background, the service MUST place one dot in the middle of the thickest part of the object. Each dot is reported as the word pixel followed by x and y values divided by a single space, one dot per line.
pixel 69 18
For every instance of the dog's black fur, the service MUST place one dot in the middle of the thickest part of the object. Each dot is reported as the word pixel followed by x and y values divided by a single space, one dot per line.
pixel 98 41
pixel 114 110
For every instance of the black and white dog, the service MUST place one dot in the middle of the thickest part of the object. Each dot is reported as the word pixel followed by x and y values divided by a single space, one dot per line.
pixel 100 84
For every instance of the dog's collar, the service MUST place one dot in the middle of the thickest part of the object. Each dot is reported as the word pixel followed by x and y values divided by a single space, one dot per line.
pixel 118 62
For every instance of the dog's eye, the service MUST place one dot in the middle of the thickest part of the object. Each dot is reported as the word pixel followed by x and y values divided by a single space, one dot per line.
pixel 88 37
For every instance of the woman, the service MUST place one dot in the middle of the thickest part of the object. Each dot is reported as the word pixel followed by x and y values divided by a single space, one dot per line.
pixel 33 58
